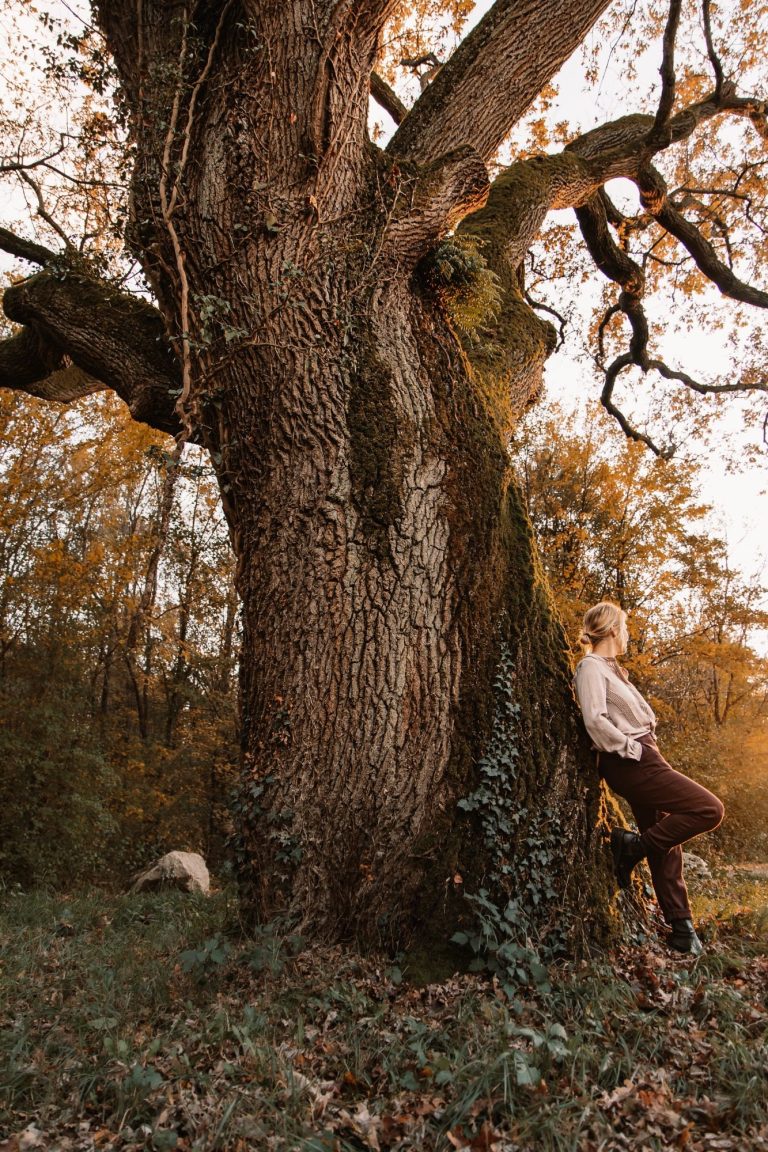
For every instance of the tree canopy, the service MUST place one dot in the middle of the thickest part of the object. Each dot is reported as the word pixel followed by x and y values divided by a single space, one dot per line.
pixel 691 145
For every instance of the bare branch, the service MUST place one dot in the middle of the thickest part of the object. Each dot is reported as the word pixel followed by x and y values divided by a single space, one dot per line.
pixel 653 195
pixel 561 321
pixel 703 389
pixel 8 166
pixel 492 77
pixel 707 211
pixel 42 210
pixel 387 98
pixel 606 399
pixel 618 266
pixel 717 67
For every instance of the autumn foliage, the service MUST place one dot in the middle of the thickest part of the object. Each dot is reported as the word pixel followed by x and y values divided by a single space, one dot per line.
pixel 118 646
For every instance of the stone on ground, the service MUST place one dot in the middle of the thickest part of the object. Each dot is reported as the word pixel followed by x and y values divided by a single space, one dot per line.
pixel 695 867
pixel 185 871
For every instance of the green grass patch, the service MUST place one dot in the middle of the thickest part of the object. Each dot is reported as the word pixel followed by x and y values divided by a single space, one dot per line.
pixel 148 1022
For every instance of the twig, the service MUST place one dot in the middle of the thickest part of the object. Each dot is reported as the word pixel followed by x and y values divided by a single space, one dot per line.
pixel 43 212
pixel 562 322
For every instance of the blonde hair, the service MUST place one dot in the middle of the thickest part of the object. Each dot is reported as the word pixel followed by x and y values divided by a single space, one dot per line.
pixel 600 621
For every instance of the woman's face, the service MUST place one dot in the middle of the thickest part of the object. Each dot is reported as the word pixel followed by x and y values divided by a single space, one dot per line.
pixel 623 636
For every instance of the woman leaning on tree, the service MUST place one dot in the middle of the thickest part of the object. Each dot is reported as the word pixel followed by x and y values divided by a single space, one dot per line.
pixel 669 807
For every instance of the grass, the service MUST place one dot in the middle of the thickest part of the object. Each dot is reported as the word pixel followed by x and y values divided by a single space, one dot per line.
pixel 140 1022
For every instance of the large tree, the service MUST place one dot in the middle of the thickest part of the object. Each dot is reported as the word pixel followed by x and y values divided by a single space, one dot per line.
pixel 408 734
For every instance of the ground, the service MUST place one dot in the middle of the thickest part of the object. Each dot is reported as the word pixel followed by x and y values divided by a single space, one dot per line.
pixel 148 1022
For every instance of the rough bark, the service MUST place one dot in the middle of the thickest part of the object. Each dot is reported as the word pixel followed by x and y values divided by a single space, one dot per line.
pixel 495 73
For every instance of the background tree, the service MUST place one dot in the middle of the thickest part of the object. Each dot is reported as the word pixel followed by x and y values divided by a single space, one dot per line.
pixel 400 655
pixel 115 701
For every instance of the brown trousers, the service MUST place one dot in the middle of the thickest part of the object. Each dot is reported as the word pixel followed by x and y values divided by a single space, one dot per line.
pixel 669 809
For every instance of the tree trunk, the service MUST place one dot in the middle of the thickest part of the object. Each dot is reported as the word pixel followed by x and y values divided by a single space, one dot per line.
pixel 408 733
pixel 389 581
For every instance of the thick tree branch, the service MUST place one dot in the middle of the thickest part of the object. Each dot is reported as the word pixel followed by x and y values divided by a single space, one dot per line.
pixel 492 77
pixel 25 249
pixel 622 146
pixel 26 359
pixel 521 196
pixel 653 195
pixel 442 195
pixel 116 340
pixel 28 363
pixel 387 98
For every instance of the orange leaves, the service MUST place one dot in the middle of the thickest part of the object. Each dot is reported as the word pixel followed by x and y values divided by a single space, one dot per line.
pixel 487 1139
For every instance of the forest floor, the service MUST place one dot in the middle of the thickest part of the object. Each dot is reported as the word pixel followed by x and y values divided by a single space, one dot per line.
pixel 142 1022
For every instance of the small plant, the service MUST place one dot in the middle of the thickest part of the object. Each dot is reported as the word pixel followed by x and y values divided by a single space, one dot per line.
pixel 201 962
pixel 269 951
pixel 457 274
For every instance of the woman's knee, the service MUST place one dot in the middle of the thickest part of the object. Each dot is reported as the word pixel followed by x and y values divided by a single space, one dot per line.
pixel 712 813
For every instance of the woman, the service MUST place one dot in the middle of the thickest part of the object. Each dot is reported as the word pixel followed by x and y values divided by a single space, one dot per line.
pixel 669 808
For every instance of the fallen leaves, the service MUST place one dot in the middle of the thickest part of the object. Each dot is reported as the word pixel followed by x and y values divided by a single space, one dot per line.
pixel 332 1053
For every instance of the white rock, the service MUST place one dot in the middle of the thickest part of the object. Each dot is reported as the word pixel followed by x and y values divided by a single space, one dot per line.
pixel 696 867
pixel 30 1138
pixel 183 870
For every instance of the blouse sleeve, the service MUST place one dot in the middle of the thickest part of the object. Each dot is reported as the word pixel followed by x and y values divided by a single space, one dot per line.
pixel 590 689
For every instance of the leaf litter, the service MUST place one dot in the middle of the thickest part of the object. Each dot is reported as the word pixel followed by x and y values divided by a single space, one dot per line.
pixel 324 1051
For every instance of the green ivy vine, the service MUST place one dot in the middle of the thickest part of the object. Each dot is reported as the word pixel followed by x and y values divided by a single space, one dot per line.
pixel 506 935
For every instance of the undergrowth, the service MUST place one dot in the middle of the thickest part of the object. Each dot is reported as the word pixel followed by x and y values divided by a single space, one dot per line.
pixel 149 1022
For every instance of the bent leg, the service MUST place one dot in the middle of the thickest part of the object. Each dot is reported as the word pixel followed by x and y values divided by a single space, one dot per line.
pixel 670 809
pixel 683 809
pixel 666 869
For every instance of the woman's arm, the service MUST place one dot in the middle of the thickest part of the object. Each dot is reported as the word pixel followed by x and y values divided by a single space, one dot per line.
pixel 590 689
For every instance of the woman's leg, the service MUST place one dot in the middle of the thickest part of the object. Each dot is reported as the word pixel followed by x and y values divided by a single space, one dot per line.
pixel 670 809
pixel 666 868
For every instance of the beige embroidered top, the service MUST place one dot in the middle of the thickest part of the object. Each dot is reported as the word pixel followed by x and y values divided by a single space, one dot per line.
pixel 615 714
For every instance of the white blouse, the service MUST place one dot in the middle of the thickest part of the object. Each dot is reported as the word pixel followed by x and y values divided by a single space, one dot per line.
pixel 615 713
